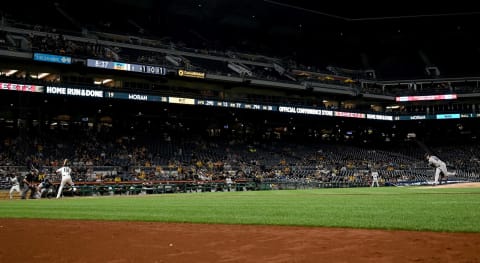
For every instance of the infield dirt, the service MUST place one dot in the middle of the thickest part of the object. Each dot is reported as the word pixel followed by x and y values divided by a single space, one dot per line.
pixel 39 240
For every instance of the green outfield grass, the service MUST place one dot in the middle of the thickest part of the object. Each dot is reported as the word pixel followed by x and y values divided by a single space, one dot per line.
pixel 408 208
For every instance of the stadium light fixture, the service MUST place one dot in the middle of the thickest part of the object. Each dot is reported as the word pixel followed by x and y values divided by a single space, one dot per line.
pixel 105 81
pixel 42 75
pixel 11 72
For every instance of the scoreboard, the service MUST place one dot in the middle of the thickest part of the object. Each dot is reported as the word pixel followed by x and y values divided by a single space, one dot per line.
pixel 140 68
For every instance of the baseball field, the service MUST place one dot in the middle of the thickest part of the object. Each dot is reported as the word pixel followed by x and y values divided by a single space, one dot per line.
pixel 386 224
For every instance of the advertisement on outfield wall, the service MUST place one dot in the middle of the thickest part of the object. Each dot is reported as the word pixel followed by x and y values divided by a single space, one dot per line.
pixel 74 92
pixel 428 97
pixel 20 87
pixel 97 93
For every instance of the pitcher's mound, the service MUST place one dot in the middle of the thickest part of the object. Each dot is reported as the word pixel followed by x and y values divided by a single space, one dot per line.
pixel 457 185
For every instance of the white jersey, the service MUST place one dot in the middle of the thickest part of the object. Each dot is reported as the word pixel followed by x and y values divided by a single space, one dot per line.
pixel 66 179
pixel 64 171
pixel 14 181
pixel 435 161
pixel 375 175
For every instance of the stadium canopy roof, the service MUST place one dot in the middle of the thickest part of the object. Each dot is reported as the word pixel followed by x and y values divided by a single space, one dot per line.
pixel 388 36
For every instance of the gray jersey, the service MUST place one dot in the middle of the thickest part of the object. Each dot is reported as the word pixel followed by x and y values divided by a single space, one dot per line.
pixel 435 161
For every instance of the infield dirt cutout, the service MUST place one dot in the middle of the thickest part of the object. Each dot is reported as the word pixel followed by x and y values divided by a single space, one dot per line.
pixel 456 185
pixel 39 240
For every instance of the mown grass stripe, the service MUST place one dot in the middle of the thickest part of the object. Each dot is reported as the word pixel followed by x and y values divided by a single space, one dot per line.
pixel 405 208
